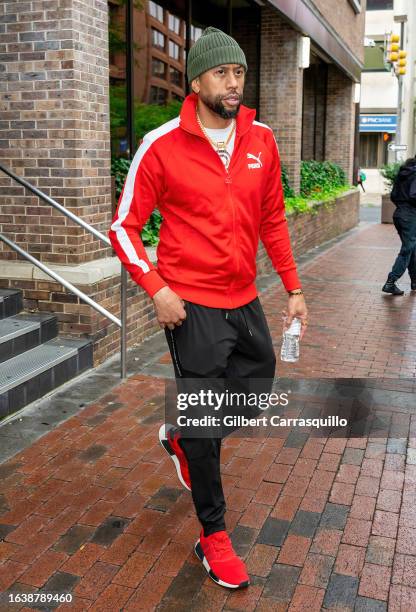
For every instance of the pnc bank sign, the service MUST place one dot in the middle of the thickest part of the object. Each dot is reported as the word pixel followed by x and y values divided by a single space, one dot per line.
pixel 378 123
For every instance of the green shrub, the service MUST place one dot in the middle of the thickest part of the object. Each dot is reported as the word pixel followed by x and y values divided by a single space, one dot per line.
pixel 322 181
pixel 287 189
pixel 300 204
pixel 147 117
pixel 319 178
pixel 389 172
pixel 150 116
pixel 119 169
pixel 150 233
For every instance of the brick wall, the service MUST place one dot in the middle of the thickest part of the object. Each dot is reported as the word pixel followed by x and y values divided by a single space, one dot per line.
pixel 308 231
pixel 340 120
pixel 348 24
pixel 281 88
pixel 54 128
pixel 78 319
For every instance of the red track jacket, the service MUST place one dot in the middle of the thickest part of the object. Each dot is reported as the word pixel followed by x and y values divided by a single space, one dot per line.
pixel 212 218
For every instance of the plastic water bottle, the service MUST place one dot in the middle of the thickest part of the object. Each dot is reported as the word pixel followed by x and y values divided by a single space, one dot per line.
pixel 290 343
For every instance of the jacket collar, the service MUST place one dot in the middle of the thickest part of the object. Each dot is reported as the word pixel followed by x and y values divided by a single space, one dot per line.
pixel 189 122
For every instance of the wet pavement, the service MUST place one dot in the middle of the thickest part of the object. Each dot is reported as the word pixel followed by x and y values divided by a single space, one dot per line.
pixel 93 507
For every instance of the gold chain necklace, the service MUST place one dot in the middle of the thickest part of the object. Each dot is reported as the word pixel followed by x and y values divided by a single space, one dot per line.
pixel 221 145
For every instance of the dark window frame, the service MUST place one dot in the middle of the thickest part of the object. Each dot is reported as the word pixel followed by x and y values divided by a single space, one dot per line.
pixel 157 7
pixel 316 94
pixel 158 89
pixel 174 70
pixel 174 45
pixel 155 74
pixel 156 46
pixel 377 8
pixel 176 21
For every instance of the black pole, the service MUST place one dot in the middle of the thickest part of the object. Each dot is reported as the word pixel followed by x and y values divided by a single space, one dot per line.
pixel 230 17
pixel 131 138
pixel 356 163
pixel 188 40
pixel 258 60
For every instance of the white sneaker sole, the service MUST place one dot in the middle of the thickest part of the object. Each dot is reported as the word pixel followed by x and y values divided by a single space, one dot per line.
pixel 200 554
pixel 163 439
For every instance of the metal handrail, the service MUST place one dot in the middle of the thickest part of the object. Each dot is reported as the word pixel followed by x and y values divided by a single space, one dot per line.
pixel 56 205
pixel 123 281
pixel 61 280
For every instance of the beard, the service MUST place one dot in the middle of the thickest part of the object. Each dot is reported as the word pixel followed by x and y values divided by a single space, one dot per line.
pixel 215 104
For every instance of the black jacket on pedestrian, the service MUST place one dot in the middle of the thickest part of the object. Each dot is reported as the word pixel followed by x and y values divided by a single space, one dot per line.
pixel 404 188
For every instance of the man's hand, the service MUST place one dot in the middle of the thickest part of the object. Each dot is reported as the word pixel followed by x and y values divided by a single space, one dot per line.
pixel 169 308
pixel 296 308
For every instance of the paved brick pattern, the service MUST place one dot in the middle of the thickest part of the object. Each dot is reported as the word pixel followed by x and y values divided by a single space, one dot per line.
pixel 94 508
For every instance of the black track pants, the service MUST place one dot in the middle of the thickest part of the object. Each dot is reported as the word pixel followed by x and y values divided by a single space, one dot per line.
pixel 218 343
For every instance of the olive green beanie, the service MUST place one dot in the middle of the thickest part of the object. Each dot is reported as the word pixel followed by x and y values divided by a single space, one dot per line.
pixel 211 49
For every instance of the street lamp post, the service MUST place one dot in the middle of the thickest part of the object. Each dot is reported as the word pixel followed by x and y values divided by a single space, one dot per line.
pixel 399 153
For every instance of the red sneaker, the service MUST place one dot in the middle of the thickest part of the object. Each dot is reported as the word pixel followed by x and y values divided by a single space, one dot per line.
pixel 168 437
pixel 219 559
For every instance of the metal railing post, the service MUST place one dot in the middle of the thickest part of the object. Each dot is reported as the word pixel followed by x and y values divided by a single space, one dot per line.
pixel 123 317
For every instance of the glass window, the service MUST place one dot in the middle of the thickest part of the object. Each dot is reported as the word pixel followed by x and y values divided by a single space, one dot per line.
pixel 158 68
pixel 158 95
pixel 156 10
pixel 174 24
pixel 176 97
pixel 369 150
pixel 379 5
pixel 195 33
pixel 158 39
pixel 314 109
pixel 173 50
pixel 175 76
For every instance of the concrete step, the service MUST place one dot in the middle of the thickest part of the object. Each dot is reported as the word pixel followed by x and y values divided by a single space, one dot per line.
pixel 11 302
pixel 24 331
pixel 30 375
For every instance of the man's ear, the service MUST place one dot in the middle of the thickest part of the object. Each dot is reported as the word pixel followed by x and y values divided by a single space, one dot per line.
pixel 195 85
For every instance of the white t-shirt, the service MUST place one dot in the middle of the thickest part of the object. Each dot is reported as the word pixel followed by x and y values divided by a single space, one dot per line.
pixel 218 135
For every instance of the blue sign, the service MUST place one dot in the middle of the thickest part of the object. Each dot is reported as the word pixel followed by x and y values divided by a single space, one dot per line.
pixel 378 123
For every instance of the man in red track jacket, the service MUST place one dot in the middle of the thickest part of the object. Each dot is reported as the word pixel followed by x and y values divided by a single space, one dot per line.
pixel 214 174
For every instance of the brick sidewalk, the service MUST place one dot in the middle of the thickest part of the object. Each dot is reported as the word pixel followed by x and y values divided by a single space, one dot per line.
pixel 94 507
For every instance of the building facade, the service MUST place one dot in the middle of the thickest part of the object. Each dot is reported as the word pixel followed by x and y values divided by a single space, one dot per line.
pixel 380 89
pixel 62 100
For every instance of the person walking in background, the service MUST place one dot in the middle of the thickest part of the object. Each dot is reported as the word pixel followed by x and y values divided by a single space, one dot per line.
pixel 214 173
pixel 404 218
pixel 361 177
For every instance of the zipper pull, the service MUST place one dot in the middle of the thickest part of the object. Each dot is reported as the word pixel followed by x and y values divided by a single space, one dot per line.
pixel 245 321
